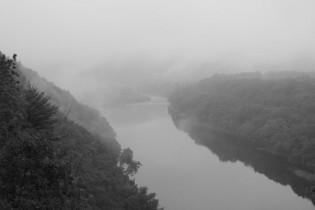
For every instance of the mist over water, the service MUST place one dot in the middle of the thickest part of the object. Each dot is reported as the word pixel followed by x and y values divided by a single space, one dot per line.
pixel 125 57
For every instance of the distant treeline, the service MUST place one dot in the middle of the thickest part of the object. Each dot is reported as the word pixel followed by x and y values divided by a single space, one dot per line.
pixel 274 111
pixel 48 161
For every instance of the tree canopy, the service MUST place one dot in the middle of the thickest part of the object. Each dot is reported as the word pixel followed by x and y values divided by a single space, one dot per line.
pixel 273 114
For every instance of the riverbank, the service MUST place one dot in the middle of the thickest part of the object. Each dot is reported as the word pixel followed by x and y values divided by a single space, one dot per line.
pixel 273 115
pixel 186 175
pixel 230 148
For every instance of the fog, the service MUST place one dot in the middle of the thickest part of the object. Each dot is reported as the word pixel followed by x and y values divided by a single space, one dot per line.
pixel 86 45
pixel 228 142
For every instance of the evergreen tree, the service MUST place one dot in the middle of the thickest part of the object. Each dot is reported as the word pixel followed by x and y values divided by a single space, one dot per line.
pixel 11 111
pixel 40 113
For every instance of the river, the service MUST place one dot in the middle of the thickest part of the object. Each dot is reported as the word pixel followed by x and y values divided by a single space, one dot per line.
pixel 188 176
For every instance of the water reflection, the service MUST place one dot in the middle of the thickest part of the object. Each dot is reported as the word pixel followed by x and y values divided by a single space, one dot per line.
pixel 229 148
pixel 187 176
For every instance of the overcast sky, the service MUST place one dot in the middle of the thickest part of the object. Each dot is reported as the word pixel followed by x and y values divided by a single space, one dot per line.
pixel 76 34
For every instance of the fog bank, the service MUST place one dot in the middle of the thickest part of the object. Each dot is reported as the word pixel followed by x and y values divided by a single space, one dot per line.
pixel 82 44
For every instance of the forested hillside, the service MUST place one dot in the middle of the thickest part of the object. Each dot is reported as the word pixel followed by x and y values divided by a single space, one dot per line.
pixel 274 113
pixel 50 161
pixel 89 118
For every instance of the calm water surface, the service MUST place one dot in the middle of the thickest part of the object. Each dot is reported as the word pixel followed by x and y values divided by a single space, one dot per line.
pixel 187 176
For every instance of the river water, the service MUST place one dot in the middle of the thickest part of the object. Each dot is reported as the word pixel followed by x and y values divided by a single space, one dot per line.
pixel 188 176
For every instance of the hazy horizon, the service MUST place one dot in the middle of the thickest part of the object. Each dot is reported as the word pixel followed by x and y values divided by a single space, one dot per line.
pixel 83 42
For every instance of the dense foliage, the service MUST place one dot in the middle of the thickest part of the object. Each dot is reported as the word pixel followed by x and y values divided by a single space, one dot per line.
pixel 277 115
pixel 48 161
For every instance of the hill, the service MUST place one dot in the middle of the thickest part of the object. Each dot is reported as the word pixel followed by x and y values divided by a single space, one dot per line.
pixel 49 161
pixel 83 115
pixel 273 113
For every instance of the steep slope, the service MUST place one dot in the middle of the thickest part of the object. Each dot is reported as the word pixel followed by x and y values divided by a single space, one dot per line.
pixel 82 114
pixel 48 161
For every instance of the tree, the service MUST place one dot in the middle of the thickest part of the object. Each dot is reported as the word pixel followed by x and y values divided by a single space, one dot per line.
pixel 142 200
pixel 40 113
pixel 11 110
pixel 126 162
